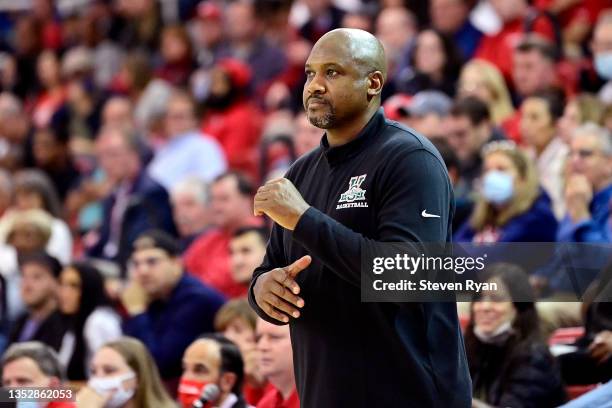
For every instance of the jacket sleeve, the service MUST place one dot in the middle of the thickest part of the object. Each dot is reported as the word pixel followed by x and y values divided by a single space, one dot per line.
pixel 408 184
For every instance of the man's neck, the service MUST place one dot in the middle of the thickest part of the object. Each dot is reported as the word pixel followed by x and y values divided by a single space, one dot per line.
pixel 347 133
pixel 43 311
pixel 285 384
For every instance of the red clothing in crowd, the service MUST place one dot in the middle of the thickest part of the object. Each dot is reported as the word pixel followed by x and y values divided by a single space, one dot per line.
pixel 274 399
pixel 238 130
pixel 61 404
pixel 498 48
pixel 253 395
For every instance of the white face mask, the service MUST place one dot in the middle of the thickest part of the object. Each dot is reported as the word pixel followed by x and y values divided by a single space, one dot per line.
pixel 104 386
pixel 498 336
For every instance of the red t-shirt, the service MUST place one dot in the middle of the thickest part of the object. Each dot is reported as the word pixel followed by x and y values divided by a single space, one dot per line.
pixel 274 399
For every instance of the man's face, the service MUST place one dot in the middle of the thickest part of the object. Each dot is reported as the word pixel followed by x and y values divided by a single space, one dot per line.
pixel 190 214
pixel 38 285
pixel 114 156
pixel 532 72
pixel 180 117
pixel 117 112
pixel 587 158
pixel 274 346
pixel 24 372
pixel 202 361
pixel 431 125
pixel 154 270
pixel 335 91
pixel 246 253
pixel 395 30
pixel 240 22
pixel 448 15
pixel 229 207
pixel 464 137
pixel 46 148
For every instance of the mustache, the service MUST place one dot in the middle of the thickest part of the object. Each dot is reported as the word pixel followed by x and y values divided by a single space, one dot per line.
pixel 317 99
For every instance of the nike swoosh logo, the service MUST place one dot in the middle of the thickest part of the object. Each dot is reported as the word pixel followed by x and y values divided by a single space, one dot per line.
pixel 424 214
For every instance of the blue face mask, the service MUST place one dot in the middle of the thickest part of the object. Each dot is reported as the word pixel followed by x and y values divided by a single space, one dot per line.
pixel 497 187
pixel 603 64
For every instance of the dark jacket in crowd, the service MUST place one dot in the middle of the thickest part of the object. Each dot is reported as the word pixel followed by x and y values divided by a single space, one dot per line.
pixel 50 331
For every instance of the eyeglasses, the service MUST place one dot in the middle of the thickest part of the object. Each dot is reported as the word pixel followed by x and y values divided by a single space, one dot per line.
pixel 151 262
pixel 582 153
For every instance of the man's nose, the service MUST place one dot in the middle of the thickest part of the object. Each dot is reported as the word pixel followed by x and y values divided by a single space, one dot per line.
pixel 316 86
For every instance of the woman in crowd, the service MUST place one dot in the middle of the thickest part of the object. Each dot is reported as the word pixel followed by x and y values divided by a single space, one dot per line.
pixel 483 80
pixel 53 93
pixel 436 64
pixel 34 190
pixel 578 111
pixel 177 56
pixel 510 365
pixel 90 319
pixel 124 375
pixel 539 116
pixel 510 206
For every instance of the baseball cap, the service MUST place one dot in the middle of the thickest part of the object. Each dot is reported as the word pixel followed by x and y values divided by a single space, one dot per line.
pixel 157 239
pixel 426 102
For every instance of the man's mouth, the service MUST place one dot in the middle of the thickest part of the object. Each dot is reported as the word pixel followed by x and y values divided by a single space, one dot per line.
pixel 316 102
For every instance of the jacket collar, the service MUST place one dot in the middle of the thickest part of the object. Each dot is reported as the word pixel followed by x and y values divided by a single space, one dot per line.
pixel 338 154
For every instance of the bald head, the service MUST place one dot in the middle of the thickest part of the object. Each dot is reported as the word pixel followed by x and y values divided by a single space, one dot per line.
pixel 358 45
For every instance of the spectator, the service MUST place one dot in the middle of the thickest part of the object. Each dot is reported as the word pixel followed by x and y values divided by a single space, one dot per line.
pixel 602 50
pixel 247 249
pixel 123 375
pixel 540 114
pixel 509 364
pixel 452 18
pixel 91 321
pixel 236 321
pixel 138 24
pixel 6 191
pixel 533 68
pixel 427 113
pixel 483 80
pixel 396 28
pixel 435 64
pixel 14 129
pixel 177 56
pixel 191 209
pixel 322 16
pixel 581 109
pixel 208 257
pixel 306 136
pixel 246 42
pixel 168 309
pixel 186 152
pixel 209 33
pixel 33 364
pixel 39 284
pixel 212 359
pixel 118 112
pixel 136 203
pixel 510 206
pixel 34 191
pixel 53 94
pixel 276 362
pixel 230 116
pixel 516 17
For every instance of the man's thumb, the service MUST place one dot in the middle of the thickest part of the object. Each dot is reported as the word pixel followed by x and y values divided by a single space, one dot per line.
pixel 299 265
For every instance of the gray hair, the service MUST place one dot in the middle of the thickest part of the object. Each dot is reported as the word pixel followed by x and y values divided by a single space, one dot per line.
pixel 194 186
pixel 44 356
pixel 602 134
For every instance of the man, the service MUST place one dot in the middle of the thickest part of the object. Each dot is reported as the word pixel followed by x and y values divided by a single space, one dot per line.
pixel 191 209
pixel 39 284
pixel 168 308
pixel 14 128
pixel 33 364
pixel 137 202
pixel 186 151
pixel 212 359
pixel 349 353
pixel 602 50
pixel 452 18
pixel 533 68
pixel 276 365
pixel 396 28
pixel 208 257
pixel 247 250
pixel 427 112
pixel 306 136
pixel 118 112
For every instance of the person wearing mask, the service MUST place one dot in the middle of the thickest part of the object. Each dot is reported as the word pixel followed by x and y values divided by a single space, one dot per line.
pixel 34 364
pixel 39 283
pixel 90 319
pixel 510 206
pixel 212 359
pixel 510 365
pixel 123 375
pixel 167 307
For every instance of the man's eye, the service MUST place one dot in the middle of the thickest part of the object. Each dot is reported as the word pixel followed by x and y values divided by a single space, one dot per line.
pixel 309 74
pixel 332 72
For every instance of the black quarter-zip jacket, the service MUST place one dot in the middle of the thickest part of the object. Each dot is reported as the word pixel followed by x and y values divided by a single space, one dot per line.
pixel 372 355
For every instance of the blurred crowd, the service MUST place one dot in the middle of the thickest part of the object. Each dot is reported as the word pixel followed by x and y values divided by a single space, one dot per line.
pixel 133 136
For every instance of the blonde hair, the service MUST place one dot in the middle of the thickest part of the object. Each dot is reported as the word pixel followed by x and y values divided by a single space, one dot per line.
pixel 590 108
pixel 501 107
pixel 150 391
pixel 235 309
pixel 525 193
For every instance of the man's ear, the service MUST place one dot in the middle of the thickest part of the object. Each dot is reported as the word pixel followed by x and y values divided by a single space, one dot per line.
pixel 376 80
pixel 227 381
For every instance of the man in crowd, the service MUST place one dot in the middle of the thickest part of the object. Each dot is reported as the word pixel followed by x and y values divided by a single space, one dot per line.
pixel 137 202
pixel 427 112
pixel 212 359
pixel 168 308
pixel 534 66
pixel 33 364
pixel 276 365
pixel 452 17
pixel 208 257
pixel 247 249
pixel 39 284
pixel 191 209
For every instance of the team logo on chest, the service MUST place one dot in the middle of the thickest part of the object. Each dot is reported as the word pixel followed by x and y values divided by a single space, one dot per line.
pixel 355 195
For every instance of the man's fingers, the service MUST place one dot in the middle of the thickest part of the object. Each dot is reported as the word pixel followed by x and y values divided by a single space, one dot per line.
pixel 282 276
pixel 299 265
pixel 273 313
pixel 281 305
pixel 285 294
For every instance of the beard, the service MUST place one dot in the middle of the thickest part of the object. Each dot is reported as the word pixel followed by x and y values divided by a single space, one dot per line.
pixel 324 118
pixel 220 102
